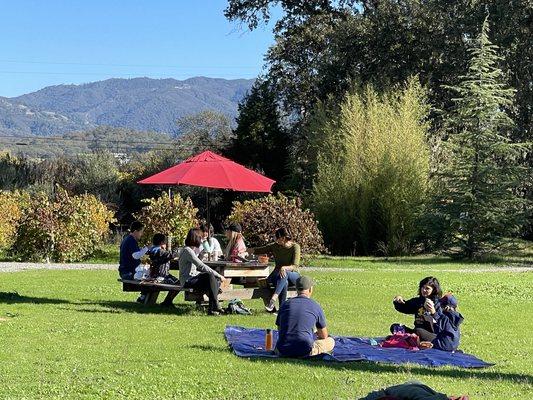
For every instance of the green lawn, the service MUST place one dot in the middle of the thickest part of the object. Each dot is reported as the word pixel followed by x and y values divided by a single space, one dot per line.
pixel 75 334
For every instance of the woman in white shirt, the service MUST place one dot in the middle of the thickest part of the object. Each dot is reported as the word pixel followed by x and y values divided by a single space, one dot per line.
pixel 210 248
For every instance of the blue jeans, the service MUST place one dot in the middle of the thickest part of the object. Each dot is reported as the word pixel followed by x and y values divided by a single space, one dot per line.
pixel 281 284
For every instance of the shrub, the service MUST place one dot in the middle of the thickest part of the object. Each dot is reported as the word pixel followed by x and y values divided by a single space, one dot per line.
pixel 260 218
pixel 62 228
pixel 372 171
pixel 170 216
pixel 11 211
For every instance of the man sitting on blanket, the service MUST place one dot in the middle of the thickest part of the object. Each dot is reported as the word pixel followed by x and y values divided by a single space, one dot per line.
pixel 297 320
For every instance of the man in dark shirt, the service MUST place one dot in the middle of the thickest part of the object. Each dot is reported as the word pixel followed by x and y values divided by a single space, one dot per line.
pixel 130 254
pixel 297 320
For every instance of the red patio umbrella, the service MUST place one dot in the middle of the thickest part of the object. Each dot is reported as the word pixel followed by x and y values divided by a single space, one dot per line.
pixel 211 170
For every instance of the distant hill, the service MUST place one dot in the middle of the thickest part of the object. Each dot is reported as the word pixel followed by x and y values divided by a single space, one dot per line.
pixel 21 120
pixel 142 104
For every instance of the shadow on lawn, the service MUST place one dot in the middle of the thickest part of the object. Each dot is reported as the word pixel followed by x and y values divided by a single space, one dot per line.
pixel 421 371
pixel 210 348
pixel 442 260
pixel 108 306
pixel 15 298
pixel 102 306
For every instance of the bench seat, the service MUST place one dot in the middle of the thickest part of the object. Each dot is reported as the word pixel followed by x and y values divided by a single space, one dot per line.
pixel 153 289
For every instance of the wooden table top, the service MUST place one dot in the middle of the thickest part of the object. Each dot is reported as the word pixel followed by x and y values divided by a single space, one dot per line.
pixel 231 264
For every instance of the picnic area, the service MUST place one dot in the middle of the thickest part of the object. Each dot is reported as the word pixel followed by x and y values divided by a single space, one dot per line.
pixel 266 199
pixel 75 334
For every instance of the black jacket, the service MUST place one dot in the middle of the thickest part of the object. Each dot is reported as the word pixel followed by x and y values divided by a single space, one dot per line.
pixel 415 306
pixel 159 259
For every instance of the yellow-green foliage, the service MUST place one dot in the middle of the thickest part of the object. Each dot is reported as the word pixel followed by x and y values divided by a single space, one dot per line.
pixel 62 228
pixel 170 216
pixel 260 218
pixel 11 211
pixel 372 170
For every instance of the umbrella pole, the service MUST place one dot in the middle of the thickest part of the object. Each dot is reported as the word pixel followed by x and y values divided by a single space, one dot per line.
pixel 169 238
pixel 207 206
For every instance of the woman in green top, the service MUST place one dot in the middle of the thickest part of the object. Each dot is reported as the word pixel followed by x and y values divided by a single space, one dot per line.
pixel 287 257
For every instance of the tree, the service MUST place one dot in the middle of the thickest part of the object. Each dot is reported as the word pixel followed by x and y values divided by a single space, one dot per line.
pixel 322 47
pixel 260 141
pixel 372 171
pixel 206 130
pixel 477 183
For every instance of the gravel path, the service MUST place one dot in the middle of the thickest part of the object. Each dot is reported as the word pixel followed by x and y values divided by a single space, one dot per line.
pixel 23 266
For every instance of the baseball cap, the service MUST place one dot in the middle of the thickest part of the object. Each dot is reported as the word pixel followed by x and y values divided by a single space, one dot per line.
pixel 304 283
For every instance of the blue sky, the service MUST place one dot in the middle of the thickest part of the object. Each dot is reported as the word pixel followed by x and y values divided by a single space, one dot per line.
pixel 50 42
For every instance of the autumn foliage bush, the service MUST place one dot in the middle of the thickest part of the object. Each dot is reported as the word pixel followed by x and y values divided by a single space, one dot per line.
pixel 11 211
pixel 61 228
pixel 260 218
pixel 172 216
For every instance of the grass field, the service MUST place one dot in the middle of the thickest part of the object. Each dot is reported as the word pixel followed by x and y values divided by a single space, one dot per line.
pixel 76 335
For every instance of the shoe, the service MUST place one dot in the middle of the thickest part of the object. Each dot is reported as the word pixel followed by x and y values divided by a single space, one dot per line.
pixel 271 306
pixel 213 312
pixel 141 298
pixel 397 328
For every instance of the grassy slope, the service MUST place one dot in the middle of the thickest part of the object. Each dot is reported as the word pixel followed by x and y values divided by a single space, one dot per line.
pixel 74 334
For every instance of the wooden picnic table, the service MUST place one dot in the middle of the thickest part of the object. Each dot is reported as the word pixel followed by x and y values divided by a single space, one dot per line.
pixel 247 274
pixel 229 269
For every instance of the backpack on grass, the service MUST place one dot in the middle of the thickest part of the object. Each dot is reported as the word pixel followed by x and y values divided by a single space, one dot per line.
pixel 236 306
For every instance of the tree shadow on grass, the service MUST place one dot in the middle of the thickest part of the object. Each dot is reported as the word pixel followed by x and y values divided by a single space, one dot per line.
pixel 522 260
pixel 113 307
pixel 210 348
pixel 15 298
pixel 105 306
pixel 379 368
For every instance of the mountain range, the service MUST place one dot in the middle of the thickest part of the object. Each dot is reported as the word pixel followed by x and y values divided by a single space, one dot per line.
pixel 142 104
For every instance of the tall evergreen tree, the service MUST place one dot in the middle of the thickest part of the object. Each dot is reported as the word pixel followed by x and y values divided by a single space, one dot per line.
pixel 260 141
pixel 480 172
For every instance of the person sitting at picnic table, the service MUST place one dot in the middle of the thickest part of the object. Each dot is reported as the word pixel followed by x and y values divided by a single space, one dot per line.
pixel 236 249
pixel 195 274
pixel 287 258
pixel 130 254
pixel 297 320
pixel 160 259
pixel 210 248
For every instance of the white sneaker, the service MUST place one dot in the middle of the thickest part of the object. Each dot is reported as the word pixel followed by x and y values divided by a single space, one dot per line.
pixel 271 306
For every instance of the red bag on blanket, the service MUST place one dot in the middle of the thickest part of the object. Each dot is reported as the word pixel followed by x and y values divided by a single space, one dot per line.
pixel 402 340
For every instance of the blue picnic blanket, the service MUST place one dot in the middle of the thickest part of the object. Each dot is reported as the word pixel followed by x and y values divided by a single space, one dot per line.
pixel 250 342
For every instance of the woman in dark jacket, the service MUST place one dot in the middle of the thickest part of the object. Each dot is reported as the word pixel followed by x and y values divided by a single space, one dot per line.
pixel 429 293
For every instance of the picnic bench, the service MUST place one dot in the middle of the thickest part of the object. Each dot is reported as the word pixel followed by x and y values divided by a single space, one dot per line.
pixel 251 276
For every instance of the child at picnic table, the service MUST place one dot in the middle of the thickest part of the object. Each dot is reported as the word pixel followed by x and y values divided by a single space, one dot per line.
pixel 236 249
pixel 160 259
pixel 287 258
pixel 195 274
pixel 423 307
pixel 210 249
